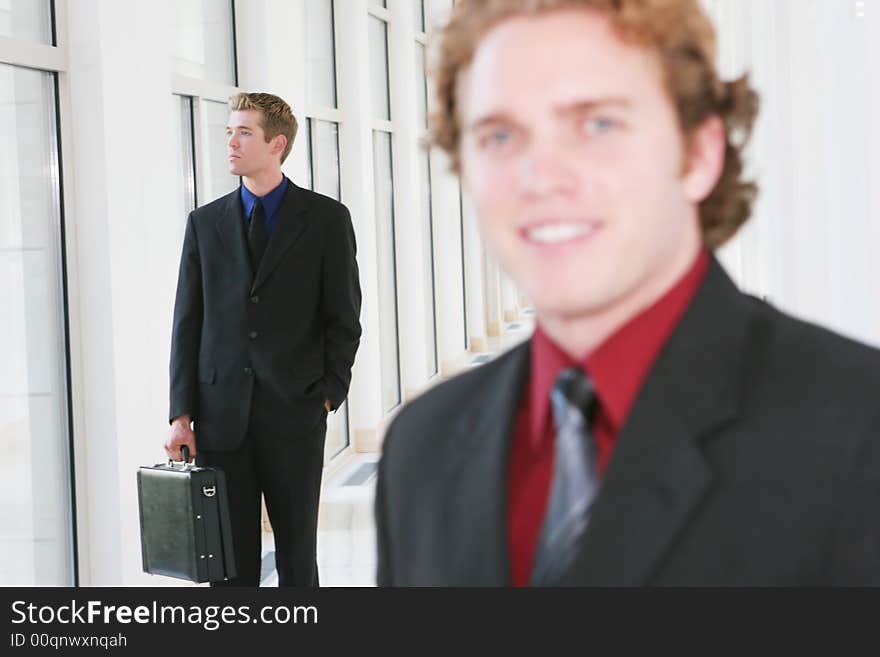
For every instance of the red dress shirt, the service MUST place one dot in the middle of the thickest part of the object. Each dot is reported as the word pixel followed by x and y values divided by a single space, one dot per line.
pixel 618 368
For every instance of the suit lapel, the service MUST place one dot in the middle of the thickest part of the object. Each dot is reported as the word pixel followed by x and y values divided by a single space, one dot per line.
pixel 658 474
pixel 290 225
pixel 478 469
pixel 230 226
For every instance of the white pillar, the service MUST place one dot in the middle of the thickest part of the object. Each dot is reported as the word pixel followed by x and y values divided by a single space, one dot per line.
pixel 493 296
pixel 873 182
pixel 356 157
pixel 446 205
pixel 409 225
pixel 509 299
pixel 121 225
pixel 271 40
pixel 473 257
pixel 447 254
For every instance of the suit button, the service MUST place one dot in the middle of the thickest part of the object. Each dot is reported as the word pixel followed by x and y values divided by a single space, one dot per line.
pixel 255 299
pixel 248 371
pixel 253 335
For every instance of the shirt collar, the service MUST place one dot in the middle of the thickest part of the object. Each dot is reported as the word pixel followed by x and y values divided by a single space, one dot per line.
pixel 271 201
pixel 619 365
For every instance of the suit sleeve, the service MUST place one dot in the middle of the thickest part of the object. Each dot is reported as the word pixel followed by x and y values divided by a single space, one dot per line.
pixel 856 553
pixel 341 303
pixel 186 329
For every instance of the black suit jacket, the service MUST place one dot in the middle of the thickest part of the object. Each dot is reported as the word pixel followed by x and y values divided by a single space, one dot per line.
pixel 291 329
pixel 751 457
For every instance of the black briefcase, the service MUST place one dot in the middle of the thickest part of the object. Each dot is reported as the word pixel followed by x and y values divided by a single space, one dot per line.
pixel 185 527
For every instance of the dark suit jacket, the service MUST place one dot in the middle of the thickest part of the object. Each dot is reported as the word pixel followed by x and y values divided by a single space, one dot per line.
pixel 292 329
pixel 751 457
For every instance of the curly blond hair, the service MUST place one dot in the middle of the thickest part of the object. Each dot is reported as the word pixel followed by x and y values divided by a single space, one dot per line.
pixel 683 37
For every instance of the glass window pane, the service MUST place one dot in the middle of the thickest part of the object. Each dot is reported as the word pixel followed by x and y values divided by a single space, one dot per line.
pixel 204 41
pixel 321 46
pixel 186 175
pixel 379 68
pixel 35 502
pixel 337 433
pixel 324 145
pixel 310 181
pixel 421 86
pixel 30 20
pixel 419 15
pixel 213 156
pixel 323 171
pixel 378 3
pixel 385 247
pixel 428 257
pixel 460 218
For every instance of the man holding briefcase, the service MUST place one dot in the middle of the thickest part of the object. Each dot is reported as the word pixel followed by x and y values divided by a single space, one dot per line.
pixel 266 327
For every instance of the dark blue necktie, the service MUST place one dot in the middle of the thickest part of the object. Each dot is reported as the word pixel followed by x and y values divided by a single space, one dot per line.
pixel 257 236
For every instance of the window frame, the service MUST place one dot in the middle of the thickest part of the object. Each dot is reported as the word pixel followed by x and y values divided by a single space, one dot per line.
pixel 54 59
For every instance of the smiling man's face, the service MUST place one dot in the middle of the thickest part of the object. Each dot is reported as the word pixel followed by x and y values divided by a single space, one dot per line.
pixel 572 153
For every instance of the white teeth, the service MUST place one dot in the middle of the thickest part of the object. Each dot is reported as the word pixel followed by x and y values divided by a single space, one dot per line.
pixel 553 233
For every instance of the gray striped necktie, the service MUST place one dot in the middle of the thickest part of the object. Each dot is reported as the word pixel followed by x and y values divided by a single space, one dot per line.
pixel 575 478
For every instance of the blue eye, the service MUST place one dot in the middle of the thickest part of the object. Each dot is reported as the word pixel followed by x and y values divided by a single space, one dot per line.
pixel 598 125
pixel 496 138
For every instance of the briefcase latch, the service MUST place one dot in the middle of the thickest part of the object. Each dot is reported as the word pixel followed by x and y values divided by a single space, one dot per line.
pixel 209 490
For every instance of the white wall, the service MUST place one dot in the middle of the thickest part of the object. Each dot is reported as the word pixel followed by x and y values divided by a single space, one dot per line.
pixel 124 248
pixel 812 243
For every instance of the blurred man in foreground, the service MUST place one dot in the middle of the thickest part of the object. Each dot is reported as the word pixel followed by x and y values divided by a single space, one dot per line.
pixel 660 427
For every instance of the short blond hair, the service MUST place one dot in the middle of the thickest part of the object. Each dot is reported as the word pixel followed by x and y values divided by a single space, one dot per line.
pixel 684 39
pixel 277 117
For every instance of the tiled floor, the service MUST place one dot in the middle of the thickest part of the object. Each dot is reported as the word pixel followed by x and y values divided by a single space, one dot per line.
pixel 346 531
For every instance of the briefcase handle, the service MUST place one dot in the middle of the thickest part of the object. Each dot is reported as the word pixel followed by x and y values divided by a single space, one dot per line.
pixel 184 452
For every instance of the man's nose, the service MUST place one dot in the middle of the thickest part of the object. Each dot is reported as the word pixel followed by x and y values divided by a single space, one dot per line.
pixel 546 170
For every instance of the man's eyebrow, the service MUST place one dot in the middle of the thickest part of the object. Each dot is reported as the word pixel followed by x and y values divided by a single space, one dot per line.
pixel 489 119
pixel 572 108
pixel 586 106
pixel 242 127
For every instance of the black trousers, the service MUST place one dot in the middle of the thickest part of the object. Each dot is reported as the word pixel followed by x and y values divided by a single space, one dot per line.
pixel 286 469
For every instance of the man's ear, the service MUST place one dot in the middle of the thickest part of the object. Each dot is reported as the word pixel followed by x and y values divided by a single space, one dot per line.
pixel 705 158
pixel 279 144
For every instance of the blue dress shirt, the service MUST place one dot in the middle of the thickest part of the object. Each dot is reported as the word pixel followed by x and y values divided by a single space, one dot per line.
pixel 271 202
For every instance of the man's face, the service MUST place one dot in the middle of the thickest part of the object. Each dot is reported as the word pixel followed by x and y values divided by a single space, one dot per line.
pixel 248 151
pixel 573 156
